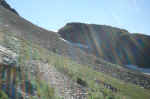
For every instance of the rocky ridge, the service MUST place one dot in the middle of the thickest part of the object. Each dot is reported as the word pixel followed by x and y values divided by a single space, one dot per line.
pixel 112 44
pixel 7 6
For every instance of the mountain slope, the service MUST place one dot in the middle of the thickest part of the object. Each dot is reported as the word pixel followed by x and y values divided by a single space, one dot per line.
pixel 36 63
pixel 43 69
pixel 14 25
pixel 112 44
pixel 10 22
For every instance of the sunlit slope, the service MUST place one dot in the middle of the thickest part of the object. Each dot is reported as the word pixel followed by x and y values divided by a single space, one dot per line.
pixel 97 84
pixel 112 44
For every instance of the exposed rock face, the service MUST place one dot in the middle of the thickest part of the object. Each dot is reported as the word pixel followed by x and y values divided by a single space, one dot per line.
pixel 112 44
pixel 7 6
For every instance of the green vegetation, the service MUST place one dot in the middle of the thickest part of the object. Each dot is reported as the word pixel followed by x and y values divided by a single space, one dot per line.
pixel 43 90
pixel 88 75
pixel 3 95
pixel 75 71
pixel 83 74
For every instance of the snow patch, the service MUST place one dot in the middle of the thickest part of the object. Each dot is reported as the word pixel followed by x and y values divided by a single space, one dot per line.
pixel 134 67
pixel 74 44
pixel 64 40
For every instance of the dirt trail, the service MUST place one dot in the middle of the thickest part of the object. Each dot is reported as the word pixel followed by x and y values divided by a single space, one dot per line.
pixel 64 87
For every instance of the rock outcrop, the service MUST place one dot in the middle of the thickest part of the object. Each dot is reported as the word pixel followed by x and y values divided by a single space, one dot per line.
pixel 112 44
pixel 7 6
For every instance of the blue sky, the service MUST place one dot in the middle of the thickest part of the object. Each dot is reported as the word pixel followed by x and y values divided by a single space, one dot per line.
pixel 132 15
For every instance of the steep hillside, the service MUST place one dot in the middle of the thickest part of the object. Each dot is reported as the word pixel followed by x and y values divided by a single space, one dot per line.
pixel 41 74
pixel 112 44
pixel 47 39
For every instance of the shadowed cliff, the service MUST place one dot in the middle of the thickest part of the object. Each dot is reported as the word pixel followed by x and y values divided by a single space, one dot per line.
pixel 112 44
